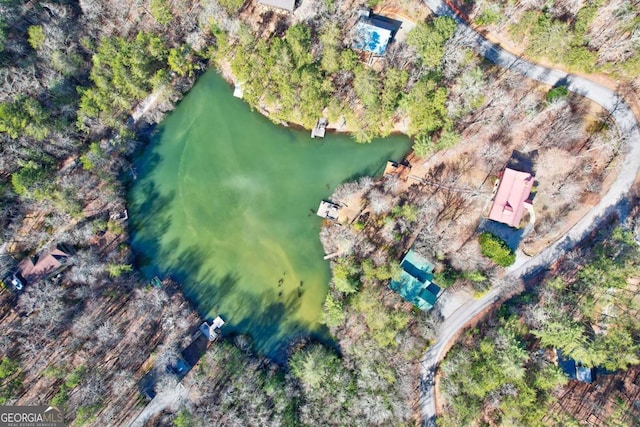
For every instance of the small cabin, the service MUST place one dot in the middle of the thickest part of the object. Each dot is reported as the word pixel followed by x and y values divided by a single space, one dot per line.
pixel 201 341
pixel 416 282
pixel 512 197
pixel 42 266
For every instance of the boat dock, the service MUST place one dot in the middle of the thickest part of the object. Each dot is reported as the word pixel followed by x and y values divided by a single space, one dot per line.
pixel 328 210
pixel 237 90
pixel 320 128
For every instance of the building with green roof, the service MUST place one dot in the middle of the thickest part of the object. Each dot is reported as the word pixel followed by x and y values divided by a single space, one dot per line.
pixel 416 282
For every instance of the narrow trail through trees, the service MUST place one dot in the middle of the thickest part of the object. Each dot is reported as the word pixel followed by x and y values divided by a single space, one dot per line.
pixel 612 202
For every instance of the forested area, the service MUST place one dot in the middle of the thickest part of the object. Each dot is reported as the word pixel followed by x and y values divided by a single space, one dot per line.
pixel 80 83
pixel 588 36
pixel 72 76
pixel 71 73
pixel 495 378
pixel 590 312
pixel 314 73
pixel 504 371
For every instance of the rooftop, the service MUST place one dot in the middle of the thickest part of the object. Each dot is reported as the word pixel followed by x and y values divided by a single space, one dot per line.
pixel 568 366
pixel 574 370
pixel 415 284
pixel 237 90
pixel 583 374
pixel 320 129
pixel 195 350
pixel 42 266
pixel 371 38
pixel 211 332
pixel 372 33
pixel 218 322
pixel 513 192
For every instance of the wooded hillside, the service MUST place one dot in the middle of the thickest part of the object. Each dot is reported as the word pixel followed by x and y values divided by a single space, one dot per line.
pixel 83 83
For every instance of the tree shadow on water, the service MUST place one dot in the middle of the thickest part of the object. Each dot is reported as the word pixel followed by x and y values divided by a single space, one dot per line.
pixel 149 222
pixel 271 323
pixel 375 169
pixel 269 317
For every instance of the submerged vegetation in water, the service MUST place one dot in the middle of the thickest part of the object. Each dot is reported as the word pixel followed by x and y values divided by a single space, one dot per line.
pixel 253 251
pixel 73 71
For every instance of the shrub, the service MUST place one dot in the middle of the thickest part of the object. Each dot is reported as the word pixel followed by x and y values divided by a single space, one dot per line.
pixel 116 270
pixel 333 314
pixel 184 419
pixel 429 39
pixel 348 60
pixel 422 146
pixel 179 61
pixel 447 277
pixel 559 92
pixel 10 379
pixel 496 249
pixel 161 12
pixel 24 116
pixel 231 6
pixel 425 104
pixel 490 15
pixel 406 211
pixel 30 175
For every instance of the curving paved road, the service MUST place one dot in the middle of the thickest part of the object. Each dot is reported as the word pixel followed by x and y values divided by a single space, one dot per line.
pixel 613 201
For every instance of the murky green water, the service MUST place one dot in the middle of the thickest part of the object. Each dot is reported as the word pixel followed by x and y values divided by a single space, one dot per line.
pixel 225 202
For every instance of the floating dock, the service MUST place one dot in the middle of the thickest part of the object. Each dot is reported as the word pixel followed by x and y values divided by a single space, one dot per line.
pixel 320 129
pixel 237 90
pixel 328 210
pixel 401 170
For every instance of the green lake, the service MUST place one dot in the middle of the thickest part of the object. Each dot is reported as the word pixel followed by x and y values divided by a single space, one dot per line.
pixel 225 203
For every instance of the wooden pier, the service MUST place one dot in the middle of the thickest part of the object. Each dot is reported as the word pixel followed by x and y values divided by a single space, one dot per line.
pixel 320 128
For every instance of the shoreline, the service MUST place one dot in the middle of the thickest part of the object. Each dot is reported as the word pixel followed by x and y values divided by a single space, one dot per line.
pixel 221 86
pixel 224 69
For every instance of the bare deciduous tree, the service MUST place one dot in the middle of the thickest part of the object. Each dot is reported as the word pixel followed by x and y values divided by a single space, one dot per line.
pixel 379 202
pixel 107 333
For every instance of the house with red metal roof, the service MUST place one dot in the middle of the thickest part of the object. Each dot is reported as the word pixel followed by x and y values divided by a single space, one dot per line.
pixel 512 196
